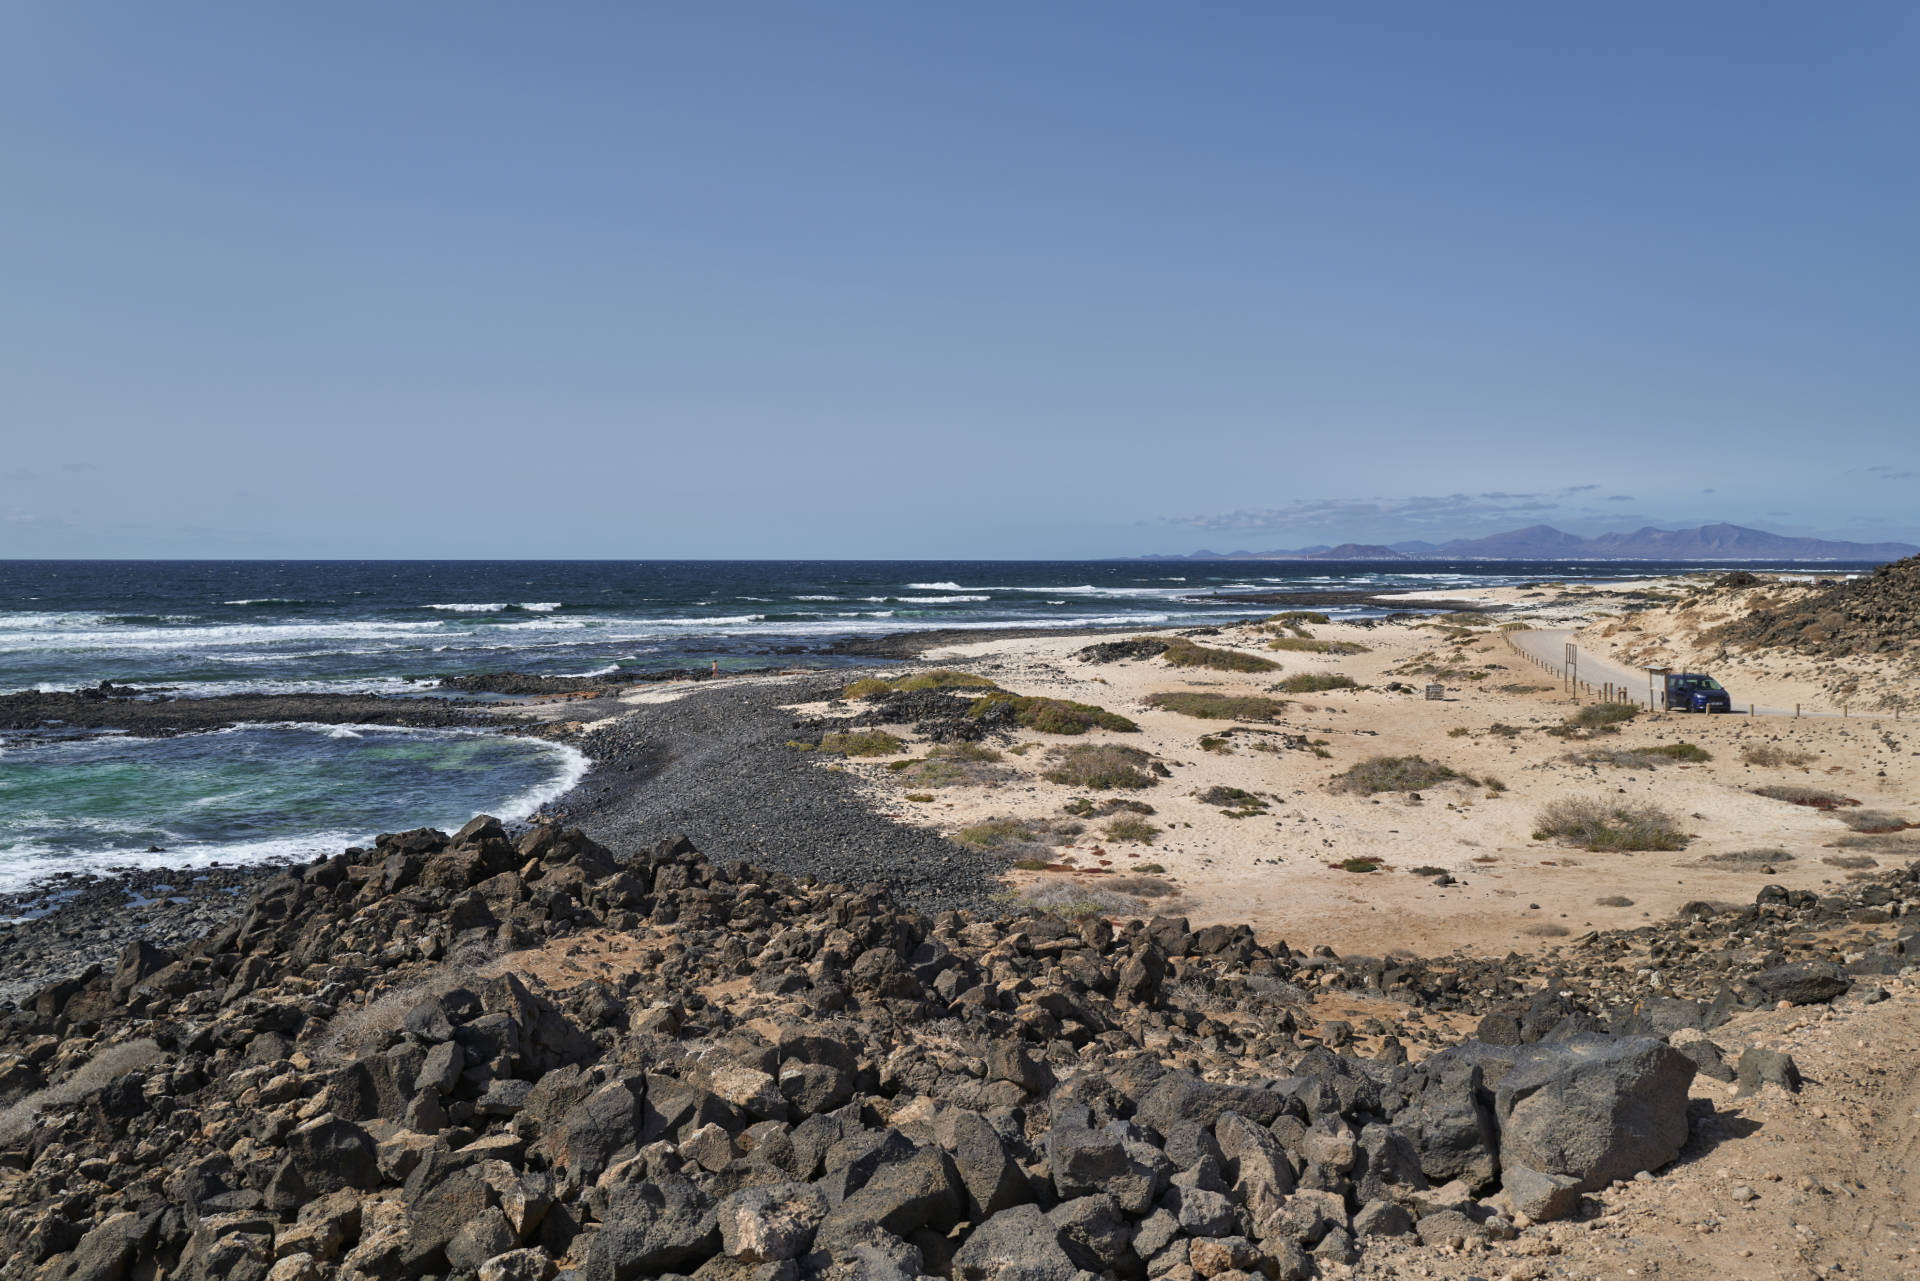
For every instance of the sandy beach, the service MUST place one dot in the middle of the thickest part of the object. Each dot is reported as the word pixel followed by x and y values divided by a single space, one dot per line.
pixel 1283 870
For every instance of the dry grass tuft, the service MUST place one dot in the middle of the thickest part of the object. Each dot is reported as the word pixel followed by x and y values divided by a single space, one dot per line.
pixel 1100 767
pixel 1609 825
pixel 1131 830
pixel 1811 797
pixel 940 678
pixel 103 1069
pixel 873 742
pixel 1315 683
pixel 1745 860
pixel 1184 653
pixel 1308 645
pixel 1772 755
pixel 1645 757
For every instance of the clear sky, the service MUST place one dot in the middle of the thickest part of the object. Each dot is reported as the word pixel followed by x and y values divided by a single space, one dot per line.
pixel 978 279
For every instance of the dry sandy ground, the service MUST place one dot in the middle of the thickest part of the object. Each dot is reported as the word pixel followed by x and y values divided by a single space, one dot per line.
pixel 1282 870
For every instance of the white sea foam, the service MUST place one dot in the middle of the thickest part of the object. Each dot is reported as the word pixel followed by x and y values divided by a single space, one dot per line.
pixel 819 597
pixel 463 608
pixel 938 600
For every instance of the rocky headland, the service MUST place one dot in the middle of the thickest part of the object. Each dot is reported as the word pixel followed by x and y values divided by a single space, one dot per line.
pixel 451 1056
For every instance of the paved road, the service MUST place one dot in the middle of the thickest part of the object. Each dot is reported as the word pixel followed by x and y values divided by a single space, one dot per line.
pixel 1549 646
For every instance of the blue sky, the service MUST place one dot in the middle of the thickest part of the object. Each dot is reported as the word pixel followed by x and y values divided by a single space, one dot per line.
pixel 969 280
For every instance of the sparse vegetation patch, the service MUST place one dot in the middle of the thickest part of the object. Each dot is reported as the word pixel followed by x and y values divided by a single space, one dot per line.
pixel 1131 829
pixel 1218 707
pixel 940 678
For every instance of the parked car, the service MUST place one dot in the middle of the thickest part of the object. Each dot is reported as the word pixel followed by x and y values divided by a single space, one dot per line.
pixel 1694 692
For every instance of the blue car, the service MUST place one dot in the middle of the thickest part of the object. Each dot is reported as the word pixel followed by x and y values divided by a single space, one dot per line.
pixel 1692 692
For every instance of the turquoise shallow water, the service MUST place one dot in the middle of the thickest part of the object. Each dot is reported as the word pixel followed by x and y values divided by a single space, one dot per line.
pixel 255 793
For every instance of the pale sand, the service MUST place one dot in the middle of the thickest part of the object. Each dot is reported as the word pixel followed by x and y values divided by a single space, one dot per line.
pixel 1279 871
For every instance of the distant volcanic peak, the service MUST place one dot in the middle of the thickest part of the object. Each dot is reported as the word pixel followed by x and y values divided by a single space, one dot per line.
pixel 1721 541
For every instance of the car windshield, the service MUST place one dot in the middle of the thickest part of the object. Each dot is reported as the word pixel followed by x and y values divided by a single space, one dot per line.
pixel 1697 682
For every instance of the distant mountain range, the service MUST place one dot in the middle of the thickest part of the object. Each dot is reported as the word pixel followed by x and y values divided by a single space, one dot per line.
pixel 1543 542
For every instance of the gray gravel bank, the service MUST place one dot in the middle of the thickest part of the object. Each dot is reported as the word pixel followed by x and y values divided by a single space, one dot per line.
pixel 714 766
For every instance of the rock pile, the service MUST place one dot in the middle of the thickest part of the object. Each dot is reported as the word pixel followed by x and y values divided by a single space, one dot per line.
pixel 1876 614
pixel 769 1078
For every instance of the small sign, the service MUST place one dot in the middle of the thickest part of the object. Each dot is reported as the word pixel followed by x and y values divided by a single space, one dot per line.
pixel 1436 693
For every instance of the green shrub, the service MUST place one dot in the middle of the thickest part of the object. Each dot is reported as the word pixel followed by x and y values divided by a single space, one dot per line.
pixel 1030 864
pixel 1361 864
pixel 1052 715
pixel 1131 830
pixel 1151 869
pixel 800 745
pixel 1427 869
pixel 1214 743
pixel 1308 645
pixel 1609 825
pixel 1218 707
pixel 1184 653
pixel 1099 767
pixel 1395 774
pixel 1315 683
pixel 1297 616
pixel 939 678
pixel 920 797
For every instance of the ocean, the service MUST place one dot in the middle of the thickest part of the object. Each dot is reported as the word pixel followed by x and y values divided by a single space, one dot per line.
pixel 278 792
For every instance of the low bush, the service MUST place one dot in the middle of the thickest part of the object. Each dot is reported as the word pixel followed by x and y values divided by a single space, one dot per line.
pixel 1596 718
pixel 1081 807
pixel 1051 715
pixel 1308 645
pixel 1315 683
pixel 1360 864
pixel 1811 797
pixel 1019 837
pixel 1234 802
pixel 1773 756
pixel 1218 707
pixel 1216 744
pixel 1184 653
pixel 1609 825
pixel 1152 869
pixel 1646 757
pixel 1099 767
pixel 1132 830
pixel 1747 858
pixel 939 678
pixel 1613 900
pixel 1427 869
pixel 1874 822
pixel 1546 930
pixel 1295 617
pixel 1395 774
pixel 962 751
pixel 1851 862
pixel 920 798
pixel 873 742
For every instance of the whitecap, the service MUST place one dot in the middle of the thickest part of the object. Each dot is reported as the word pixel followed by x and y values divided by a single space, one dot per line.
pixel 464 608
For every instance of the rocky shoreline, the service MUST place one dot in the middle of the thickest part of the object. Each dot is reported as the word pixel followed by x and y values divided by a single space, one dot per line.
pixel 151 714
pixel 452 1056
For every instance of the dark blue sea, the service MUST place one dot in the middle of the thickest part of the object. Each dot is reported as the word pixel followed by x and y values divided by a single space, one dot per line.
pixel 279 792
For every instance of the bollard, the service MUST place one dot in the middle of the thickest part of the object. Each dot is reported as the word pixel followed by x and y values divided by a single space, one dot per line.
pixel 1796 711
